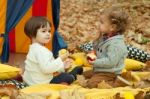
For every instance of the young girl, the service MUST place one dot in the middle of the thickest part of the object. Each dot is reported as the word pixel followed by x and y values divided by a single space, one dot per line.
pixel 110 48
pixel 40 64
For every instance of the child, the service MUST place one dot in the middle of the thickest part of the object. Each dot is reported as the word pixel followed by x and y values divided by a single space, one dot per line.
pixel 40 64
pixel 110 48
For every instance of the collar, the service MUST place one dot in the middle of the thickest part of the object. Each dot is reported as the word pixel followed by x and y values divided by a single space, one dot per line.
pixel 109 35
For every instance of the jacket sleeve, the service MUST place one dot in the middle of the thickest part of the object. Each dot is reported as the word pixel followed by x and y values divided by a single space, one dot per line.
pixel 112 57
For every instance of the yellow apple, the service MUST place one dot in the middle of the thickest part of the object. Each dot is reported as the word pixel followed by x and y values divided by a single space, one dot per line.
pixel 62 51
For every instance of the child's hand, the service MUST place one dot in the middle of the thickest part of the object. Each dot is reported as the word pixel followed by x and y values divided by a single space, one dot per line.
pixel 91 57
pixel 91 62
pixel 64 56
pixel 67 63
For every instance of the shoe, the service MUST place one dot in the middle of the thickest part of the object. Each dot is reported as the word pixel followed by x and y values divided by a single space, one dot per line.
pixel 76 71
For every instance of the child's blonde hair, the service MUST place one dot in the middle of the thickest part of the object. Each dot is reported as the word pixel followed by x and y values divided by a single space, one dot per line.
pixel 116 15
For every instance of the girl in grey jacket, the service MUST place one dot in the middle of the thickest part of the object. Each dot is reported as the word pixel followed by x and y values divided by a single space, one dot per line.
pixel 110 48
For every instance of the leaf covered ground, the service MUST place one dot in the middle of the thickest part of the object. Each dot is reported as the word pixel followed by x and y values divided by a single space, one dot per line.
pixel 79 21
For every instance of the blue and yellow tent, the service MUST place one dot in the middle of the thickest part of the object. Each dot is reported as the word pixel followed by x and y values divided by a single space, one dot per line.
pixel 14 14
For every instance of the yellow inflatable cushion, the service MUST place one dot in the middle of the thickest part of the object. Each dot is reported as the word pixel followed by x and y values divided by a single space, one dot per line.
pixel 131 64
pixel 8 72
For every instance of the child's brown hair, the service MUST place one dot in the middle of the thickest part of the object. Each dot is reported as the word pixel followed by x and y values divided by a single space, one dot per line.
pixel 33 24
pixel 117 16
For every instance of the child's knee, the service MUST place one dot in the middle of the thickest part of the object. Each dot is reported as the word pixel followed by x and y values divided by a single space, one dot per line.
pixel 70 79
pixel 88 74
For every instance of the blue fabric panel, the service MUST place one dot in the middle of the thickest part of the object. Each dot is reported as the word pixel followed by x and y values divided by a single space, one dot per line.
pixel 58 41
pixel 56 11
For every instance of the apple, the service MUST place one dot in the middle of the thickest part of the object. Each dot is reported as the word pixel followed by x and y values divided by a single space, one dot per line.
pixel 62 51
pixel 91 57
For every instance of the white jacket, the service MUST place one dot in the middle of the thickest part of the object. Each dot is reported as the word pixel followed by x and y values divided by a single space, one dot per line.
pixel 40 65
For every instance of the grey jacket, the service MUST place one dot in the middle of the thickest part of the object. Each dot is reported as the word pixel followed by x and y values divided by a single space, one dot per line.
pixel 111 54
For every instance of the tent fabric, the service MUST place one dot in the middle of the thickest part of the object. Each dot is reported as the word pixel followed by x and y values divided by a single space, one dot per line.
pixel 36 11
pixel 3 6
pixel 18 41
pixel 17 35
pixel 56 11
pixel 21 42
pixel 15 10
pixel 58 41
pixel 58 44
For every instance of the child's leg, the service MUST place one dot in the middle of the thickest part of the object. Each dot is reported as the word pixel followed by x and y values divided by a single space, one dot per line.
pixel 88 74
pixel 67 77
pixel 76 71
pixel 82 80
pixel 63 78
pixel 97 78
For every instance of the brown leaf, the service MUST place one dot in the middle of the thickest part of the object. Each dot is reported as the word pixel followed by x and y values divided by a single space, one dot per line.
pixel 81 80
pixel 140 95
pixel 118 96
pixel 103 85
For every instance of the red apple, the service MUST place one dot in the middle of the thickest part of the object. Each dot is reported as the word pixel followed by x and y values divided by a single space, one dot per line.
pixel 91 57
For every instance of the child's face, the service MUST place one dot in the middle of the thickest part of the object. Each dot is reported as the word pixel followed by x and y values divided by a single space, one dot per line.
pixel 43 35
pixel 105 25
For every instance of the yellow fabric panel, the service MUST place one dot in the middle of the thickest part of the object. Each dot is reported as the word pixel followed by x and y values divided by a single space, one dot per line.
pixel 49 16
pixel 22 41
pixel 1 45
pixel 3 6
